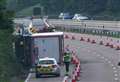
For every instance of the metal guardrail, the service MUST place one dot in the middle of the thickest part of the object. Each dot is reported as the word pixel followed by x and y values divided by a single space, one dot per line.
pixel 93 31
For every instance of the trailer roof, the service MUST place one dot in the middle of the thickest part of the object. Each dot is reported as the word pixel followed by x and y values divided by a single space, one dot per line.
pixel 47 34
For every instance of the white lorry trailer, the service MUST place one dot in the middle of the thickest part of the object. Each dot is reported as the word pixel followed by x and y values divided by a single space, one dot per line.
pixel 48 44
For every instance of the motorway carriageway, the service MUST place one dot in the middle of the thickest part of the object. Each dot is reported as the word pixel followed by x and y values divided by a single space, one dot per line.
pixel 98 63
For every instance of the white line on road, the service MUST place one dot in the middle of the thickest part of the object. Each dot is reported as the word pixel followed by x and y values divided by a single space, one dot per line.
pixel 29 75
pixel 115 71
pixel 116 79
pixel 98 55
pixel 116 75
pixel 106 59
pixel 114 67
pixel 102 57
pixel 109 62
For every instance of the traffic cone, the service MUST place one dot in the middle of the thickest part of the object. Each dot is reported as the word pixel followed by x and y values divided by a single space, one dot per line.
pixel 93 41
pixel 81 39
pixel 88 40
pixel 107 44
pixel 112 46
pixel 73 38
pixel 66 37
pixel 73 78
pixel 65 80
pixel 101 42
pixel 118 48
pixel 78 73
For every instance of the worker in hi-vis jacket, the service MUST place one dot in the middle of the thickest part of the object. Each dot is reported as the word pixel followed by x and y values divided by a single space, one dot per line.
pixel 67 60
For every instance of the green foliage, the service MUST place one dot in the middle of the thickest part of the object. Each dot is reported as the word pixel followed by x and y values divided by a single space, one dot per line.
pixel 5 16
pixel 87 7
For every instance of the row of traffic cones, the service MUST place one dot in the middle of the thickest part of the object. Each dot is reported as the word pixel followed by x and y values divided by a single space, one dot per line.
pixel 76 71
pixel 93 42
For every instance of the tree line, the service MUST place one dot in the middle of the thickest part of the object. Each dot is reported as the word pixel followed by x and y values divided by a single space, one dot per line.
pixel 91 7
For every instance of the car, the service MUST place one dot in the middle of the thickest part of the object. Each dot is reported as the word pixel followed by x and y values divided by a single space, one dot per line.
pixel 47 66
pixel 65 16
pixel 79 17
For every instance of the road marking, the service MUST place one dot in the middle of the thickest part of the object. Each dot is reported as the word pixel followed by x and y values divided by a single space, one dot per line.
pixel 115 71
pixel 98 55
pixel 116 75
pixel 102 57
pixel 116 79
pixel 28 77
pixel 109 62
pixel 114 67
pixel 106 59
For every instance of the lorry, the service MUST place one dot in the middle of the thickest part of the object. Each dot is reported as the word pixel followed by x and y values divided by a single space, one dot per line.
pixel 38 40
pixel 48 44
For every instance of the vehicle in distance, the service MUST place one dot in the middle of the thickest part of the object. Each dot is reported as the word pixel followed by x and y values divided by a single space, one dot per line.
pixel 47 66
pixel 79 17
pixel 65 16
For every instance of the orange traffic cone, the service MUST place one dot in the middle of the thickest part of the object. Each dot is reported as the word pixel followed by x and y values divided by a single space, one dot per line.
pixel 118 48
pixel 112 46
pixel 66 37
pixel 93 41
pixel 81 39
pixel 88 40
pixel 101 42
pixel 73 38
pixel 107 44
pixel 73 78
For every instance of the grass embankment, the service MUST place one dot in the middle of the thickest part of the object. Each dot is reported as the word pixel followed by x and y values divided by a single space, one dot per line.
pixel 8 64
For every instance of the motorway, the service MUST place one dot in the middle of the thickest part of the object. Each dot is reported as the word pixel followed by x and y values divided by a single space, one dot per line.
pixel 49 78
pixel 97 62
pixel 111 25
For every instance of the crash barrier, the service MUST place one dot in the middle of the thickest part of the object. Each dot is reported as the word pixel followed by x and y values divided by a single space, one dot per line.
pixel 108 43
pixel 93 31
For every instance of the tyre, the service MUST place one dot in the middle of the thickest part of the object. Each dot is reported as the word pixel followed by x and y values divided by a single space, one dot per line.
pixel 37 75
pixel 58 74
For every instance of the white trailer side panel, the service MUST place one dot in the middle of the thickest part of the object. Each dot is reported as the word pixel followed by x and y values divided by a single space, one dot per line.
pixel 47 47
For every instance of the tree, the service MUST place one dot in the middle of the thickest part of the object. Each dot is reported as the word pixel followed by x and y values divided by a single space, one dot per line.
pixel 5 16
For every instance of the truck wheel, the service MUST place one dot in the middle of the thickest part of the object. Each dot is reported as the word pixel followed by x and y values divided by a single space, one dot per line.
pixel 58 75
pixel 37 75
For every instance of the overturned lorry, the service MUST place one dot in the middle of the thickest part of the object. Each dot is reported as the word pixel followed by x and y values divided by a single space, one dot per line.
pixel 33 45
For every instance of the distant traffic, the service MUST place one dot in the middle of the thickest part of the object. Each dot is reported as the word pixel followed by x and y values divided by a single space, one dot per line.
pixel 76 16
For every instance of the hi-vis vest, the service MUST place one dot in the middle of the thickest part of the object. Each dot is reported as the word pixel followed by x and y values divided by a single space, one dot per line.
pixel 67 57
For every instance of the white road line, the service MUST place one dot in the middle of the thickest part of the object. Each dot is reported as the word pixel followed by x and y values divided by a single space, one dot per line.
pixel 98 55
pixel 29 75
pixel 102 57
pixel 114 67
pixel 109 62
pixel 115 71
pixel 116 79
pixel 116 75
pixel 106 59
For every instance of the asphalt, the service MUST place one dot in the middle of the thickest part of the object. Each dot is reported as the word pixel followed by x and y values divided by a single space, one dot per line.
pixel 99 63
pixel 49 78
